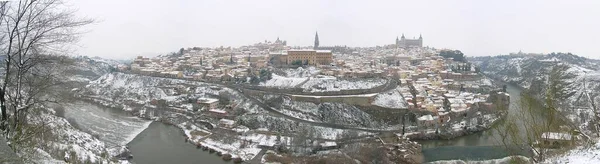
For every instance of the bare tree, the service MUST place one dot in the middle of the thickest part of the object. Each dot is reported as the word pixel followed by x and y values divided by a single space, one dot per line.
pixel 539 115
pixel 592 103
pixel 34 37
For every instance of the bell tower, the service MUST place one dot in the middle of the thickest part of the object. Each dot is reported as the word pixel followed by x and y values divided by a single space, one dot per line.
pixel 316 40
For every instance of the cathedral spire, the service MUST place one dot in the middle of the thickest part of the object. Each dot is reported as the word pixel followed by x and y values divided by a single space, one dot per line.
pixel 402 36
pixel 316 40
pixel 420 37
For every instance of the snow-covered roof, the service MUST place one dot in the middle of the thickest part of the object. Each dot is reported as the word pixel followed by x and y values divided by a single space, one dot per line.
pixel 328 144
pixel 556 136
pixel 227 121
pixel 306 50
pixel 217 111
pixel 207 100
pixel 425 118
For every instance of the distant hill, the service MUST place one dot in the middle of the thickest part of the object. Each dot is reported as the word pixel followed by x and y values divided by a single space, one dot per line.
pixel 523 69
pixel 531 72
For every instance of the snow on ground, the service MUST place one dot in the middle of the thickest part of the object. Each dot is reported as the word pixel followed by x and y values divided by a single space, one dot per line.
pixel 579 155
pixel 362 95
pixel 72 140
pixel 283 82
pixel 247 153
pixel 486 82
pixel 492 161
pixel 41 156
pixel 109 126
pixel 390 99
pixel 327 84
pixel 298 114
pixel 193 133
pixel 130 87
pixel 117 88
pixel 336 113
pixel 307 107
pixel 301 72
pixel 78 78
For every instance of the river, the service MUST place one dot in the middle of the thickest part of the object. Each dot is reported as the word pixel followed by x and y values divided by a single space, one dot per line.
pixel 478 146
pixel 161 143
pixel 150 142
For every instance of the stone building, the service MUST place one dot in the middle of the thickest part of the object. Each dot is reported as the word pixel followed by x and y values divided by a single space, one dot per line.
pixel 407 43
pixel 336 49
pixel 310 57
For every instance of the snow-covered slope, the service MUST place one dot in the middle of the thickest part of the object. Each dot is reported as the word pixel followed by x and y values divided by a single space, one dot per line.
pixel 68 142
pixel 531 71
pixel 524 69
pixel 283 82
pixel 119 86
pixel 327 84
pixel 390 99
pixel 84 69
pixel 581 155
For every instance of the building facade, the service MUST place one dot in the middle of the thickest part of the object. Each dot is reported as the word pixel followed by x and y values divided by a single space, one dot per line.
pixel 407 43
pixel 310 57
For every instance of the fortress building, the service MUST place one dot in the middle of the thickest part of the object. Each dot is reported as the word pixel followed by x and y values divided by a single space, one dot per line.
pixel 407 43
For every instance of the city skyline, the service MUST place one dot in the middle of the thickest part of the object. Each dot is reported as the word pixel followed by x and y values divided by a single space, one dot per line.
pixel 476 28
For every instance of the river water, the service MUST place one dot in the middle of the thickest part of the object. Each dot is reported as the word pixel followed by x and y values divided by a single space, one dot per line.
pixel 478 146
pixel 150 142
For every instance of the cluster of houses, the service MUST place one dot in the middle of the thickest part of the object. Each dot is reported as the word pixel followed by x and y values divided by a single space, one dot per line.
pixel 429 82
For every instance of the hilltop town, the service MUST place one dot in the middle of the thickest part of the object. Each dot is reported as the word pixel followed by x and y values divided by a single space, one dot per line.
pixel 273 102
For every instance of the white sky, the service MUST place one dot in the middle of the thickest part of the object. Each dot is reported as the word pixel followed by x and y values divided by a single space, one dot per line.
pixel 127 28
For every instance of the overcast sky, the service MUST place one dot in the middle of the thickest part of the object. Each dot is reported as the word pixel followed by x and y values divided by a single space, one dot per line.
pixel 127 28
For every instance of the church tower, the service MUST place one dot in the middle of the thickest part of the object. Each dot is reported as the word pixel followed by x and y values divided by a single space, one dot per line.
pixel 316 40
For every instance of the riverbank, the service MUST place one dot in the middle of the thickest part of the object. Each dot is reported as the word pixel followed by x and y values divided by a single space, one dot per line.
pixel 196 136
pixel 200 138
pixel 164 143
pixel 481 145
pixel 457 130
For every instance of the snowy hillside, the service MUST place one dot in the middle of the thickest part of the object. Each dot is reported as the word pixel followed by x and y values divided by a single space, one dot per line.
pixel 301 72
pixel 581 155
pixel 86 69
pixel 531 71
pixel 69 142
pixel 283 82
pixel 327 84
pixel 391 99
pixel 524 69
pixel 309 80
